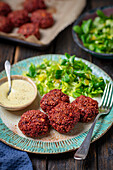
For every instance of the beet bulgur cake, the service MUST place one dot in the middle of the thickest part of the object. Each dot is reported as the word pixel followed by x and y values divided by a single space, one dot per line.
pixel 19 17
pixel 34 123
pixel 52 98
pixel 32 5
pixel 63 117
pixel 43 18
pixel 88 108
pixel 4 8
pixel 5 24
pixel 29 29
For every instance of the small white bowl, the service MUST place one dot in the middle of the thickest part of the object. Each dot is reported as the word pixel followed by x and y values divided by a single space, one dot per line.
pixel 19 77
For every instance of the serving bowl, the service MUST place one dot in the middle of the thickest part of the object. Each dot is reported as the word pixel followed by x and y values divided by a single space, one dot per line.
pixel 91 15
pixel 19 77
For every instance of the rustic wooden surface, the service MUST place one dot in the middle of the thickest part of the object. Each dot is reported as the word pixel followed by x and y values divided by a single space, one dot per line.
pixel 101 152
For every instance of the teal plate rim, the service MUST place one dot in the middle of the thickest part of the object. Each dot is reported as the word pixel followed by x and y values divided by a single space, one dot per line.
pixel 40 147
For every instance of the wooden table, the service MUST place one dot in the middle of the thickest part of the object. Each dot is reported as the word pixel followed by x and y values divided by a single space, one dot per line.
pixel 101 152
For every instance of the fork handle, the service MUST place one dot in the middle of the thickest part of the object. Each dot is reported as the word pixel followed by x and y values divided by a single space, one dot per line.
pixel 82 152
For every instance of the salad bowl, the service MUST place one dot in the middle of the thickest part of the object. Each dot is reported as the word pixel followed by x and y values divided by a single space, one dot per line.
pixel 91 15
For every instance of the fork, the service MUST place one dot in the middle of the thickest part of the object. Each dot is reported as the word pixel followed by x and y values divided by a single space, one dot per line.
pixel 105 106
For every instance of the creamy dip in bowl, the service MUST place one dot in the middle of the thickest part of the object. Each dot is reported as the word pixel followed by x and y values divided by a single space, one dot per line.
pixel 23 92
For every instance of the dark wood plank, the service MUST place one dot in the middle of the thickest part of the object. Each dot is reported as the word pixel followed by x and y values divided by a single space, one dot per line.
pixel 66 161
pixel 99 3
pixel 26 52
pixel 106 65
pixel 38 161
pixel 6 53
pixel 64 43
pixel 105 151
pixel 90 163
pixel 57 162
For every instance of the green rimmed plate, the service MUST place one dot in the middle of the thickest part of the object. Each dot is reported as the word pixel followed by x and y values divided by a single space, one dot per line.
pixel 53 142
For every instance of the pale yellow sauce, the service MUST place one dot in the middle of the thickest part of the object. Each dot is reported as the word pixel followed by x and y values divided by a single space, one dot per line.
pixel 22 93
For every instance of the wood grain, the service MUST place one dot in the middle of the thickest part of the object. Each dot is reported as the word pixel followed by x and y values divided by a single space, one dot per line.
pixel 100 156
pixel 24 52
pixel 90 163
pixel 105 151
pixel 6 53
pixel 100 3
pixel 38 161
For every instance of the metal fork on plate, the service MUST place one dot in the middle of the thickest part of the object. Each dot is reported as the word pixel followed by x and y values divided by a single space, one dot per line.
pixel 105 106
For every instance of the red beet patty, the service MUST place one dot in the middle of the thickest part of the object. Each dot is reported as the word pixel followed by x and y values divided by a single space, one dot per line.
pixel 52 98
pixel 29 29
pixel 43 18
pixel 4 8
pixel 18 17
pixel 5 24
pixel 63 117
pixel 32 5
pixel 88 108
pixel 34 123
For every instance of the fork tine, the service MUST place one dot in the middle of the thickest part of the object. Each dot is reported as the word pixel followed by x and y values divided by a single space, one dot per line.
pixel 110 96
pixel 111 100
pixel 106 96
pixel 102 100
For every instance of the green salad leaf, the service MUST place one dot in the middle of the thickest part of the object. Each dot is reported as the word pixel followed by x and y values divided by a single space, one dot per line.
pixel 101 14
pixel 73 76
pixel 32 71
